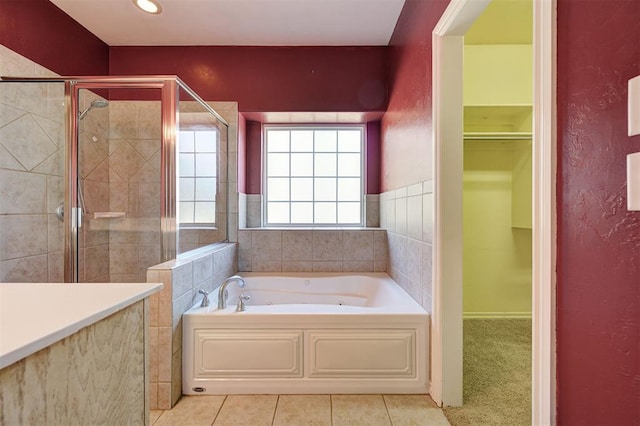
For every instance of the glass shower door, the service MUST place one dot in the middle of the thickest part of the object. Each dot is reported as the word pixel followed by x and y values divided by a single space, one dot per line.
pixel 119 153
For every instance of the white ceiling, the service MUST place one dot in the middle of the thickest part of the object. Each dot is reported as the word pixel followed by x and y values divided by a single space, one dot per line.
pixel 239 22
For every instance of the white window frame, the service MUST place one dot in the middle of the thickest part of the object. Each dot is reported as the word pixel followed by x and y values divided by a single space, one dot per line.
pixel 363 173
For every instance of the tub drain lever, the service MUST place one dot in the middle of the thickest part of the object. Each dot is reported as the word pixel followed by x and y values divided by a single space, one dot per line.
pixel 241 306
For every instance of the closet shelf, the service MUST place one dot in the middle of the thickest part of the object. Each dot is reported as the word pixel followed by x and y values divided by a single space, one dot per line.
pixel 497 136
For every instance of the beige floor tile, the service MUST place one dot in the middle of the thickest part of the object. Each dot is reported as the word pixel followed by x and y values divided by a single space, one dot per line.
pixel 155 414
pixel 254 410
pixel 192 411
pixel 307 410
pixel 355 410
pixel 414 410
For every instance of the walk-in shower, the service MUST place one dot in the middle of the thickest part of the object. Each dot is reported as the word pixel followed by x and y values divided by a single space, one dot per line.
pixel 134 166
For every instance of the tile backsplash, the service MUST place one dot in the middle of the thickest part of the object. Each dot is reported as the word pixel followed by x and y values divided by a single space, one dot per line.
pixel 312 250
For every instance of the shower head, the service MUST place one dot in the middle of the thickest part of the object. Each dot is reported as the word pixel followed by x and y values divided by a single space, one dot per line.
pixel 98 103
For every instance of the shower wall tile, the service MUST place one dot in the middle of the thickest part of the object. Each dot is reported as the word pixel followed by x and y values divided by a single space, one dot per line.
pixel 148 119
pixel 25 269
pixel 96 262
pixel 55 267
pixel 22 193
pixel 123 259
pixel 123 116
pixel 31 166
pixel 22 236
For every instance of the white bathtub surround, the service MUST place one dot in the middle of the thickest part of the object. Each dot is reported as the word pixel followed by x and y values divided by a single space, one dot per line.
pixel 312 250
pixel 204 269
pixel 74 353
pixel 407 215
pixel 308 333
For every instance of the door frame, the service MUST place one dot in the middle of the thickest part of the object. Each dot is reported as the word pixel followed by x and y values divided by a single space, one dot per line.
pixel 447 65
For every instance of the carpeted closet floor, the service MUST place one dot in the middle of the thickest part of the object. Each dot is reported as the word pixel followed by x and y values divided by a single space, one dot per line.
pixel 497 374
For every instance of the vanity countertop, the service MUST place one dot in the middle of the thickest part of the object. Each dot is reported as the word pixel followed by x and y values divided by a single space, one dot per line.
pixel 34 316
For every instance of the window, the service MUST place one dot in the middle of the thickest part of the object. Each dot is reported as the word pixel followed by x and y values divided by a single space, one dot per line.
pixel 313 175
pixel 197 171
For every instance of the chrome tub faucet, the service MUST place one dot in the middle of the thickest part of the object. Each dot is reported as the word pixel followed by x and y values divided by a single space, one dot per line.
pixel 223 293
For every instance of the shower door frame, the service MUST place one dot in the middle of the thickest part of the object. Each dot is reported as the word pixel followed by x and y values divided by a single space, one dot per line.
pixel 169 87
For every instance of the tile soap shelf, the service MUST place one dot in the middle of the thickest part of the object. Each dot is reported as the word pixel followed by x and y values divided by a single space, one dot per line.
pixel 109 215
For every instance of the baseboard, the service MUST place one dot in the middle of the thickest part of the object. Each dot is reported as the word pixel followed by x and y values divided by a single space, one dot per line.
pixel 496 315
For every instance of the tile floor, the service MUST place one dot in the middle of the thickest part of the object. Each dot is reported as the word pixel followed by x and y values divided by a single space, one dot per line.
pixel 294 410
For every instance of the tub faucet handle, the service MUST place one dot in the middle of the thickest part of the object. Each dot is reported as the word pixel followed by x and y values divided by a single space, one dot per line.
pixel 205 299
pixel 241 305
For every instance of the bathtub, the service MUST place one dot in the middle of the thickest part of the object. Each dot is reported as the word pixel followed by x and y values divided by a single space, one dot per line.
pixel 308 333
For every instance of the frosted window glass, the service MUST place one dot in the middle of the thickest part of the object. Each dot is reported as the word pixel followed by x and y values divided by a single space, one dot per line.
pixel 349 212
pixel 278 164
pixel 186 213
pixel 277 141
pixel 349 140
pixel 349 189
pixel 325 189
pixel 186 142
pixel 302 189
pixel 205 189
pixel 325 164
pixel 325 213
pixel 349 165
pixel 301 164
pixel 301 213
pixel 205 164
pixel 206 141
pixel 187 165
pixel 187 189
pixel 205 212
pixel 278 212
pixel 302 141
pixel 278 189
pixel 326 140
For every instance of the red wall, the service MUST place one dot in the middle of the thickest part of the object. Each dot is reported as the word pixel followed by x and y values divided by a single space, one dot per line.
pixel 269 79
pixel 598 328
pixel 43 33
pixel 254 157
pixel 406 126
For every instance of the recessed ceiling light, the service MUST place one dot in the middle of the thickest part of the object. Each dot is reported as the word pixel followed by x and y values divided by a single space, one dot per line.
pixel 149 6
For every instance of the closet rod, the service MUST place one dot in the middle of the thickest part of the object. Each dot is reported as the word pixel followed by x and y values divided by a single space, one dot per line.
pixel 497 136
